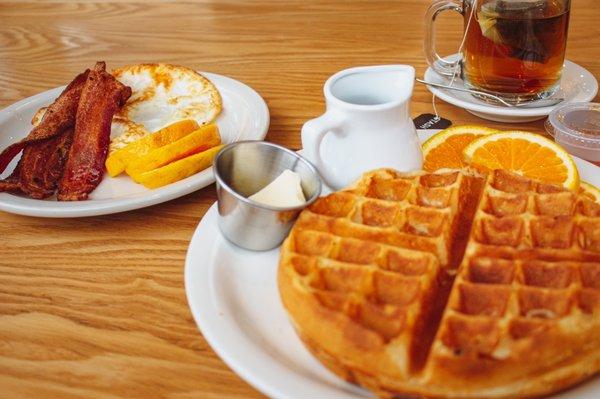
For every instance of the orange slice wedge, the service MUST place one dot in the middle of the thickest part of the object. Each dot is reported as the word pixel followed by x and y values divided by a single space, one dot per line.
pixel 445 149
pixel 527 154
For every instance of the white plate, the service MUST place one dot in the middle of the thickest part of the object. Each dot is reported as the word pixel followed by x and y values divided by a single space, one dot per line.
pixel 577 84
pixel 245 116
pixel 233 296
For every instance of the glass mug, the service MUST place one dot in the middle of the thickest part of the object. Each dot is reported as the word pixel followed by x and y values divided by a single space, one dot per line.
pixel 512 48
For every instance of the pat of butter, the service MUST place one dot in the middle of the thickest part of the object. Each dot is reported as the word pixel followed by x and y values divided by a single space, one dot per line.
pixel 284 191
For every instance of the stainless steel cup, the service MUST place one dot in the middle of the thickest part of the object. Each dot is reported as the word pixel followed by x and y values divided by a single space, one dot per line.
pixel 242 169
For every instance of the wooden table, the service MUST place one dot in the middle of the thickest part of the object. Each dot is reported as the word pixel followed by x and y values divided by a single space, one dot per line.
pixel 95 307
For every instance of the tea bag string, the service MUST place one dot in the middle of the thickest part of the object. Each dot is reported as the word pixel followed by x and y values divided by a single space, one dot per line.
pixel 460 49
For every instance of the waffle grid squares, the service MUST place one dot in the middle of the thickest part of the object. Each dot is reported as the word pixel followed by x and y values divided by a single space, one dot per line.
pixel 522 270
pixel 376 280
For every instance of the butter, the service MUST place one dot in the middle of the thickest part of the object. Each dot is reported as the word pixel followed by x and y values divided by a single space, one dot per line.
pixel 284 191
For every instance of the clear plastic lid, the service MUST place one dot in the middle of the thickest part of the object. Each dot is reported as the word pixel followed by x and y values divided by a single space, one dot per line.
pixel 576 125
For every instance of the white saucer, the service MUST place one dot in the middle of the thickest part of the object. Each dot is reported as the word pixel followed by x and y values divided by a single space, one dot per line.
pixel 233 296
pixel 577 85
pixel 245 116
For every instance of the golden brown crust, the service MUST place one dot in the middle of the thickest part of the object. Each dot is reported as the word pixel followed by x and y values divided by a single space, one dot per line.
pixel 563 377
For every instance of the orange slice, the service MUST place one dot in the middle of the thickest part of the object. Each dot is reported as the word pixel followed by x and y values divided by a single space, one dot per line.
pixel 527 154
pixel 444 149
pixel 590 191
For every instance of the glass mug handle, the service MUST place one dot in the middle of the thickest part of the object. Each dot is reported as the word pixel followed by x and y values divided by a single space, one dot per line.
pixel 434 60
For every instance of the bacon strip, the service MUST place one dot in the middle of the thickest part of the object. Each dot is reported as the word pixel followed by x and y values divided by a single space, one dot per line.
pixel 40 168
pixel 59 117
pixel 42 164
pixel 101 97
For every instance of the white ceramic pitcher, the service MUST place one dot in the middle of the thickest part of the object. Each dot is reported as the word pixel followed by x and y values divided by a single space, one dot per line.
pixel 366 125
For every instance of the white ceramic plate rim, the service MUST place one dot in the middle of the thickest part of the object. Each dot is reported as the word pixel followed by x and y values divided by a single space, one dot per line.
pixel 227 338
pixel 93 207
pixel 478 106
pixel 253 362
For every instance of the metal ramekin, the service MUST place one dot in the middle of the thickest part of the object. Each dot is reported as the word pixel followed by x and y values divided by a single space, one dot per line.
pixel 242 169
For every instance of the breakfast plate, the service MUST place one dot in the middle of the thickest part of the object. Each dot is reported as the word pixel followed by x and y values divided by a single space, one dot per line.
pixel 577 85
pixel 245 116
pixel 233 296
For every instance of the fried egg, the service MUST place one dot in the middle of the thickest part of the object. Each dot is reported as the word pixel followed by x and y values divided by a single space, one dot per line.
pixel 161 95
pixel 124 131
pixel 38 116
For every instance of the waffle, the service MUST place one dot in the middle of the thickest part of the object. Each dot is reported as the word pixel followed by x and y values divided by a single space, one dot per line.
pixel 448 285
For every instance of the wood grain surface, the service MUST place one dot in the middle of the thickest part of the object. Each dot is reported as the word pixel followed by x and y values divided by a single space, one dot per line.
pixel 95 307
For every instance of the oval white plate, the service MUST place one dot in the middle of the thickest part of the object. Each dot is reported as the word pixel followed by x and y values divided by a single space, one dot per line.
pixel 245 116
pixel 233 296
pixel 577 84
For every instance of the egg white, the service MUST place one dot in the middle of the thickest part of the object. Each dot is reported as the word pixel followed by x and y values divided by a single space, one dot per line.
pixel 162 94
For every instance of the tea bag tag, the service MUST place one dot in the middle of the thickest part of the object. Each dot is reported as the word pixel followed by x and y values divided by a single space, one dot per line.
pixel 431 121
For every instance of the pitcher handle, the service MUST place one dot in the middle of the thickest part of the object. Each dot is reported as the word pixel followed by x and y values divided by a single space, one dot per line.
pixel 313 133
pixel 437 63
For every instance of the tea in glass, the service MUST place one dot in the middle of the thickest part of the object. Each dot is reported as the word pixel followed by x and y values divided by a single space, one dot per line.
pixel 516 47
pixel 511 48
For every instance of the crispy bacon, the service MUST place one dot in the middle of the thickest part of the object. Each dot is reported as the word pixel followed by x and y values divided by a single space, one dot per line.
pixel 46 149
pixel 42 164
pixel 59 117
pixel 40 167
pixel 101 97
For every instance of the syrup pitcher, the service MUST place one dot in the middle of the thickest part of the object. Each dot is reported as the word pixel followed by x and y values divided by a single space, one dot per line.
pixel 366 125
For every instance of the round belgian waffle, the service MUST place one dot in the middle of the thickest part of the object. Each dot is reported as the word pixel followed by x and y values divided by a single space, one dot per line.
pixel 448 285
